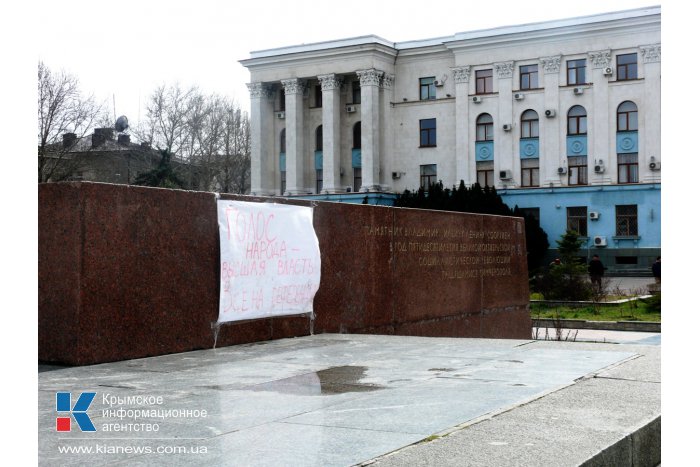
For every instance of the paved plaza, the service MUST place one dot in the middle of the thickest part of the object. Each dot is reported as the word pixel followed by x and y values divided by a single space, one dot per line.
pixel 337 399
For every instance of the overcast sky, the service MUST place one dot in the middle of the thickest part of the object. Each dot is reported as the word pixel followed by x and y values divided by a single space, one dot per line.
pixel 121 51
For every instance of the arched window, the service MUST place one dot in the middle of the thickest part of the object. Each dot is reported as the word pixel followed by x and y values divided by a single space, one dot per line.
pixel 529 124
pixel 577 121
pixel 283 140
pixel 357 136
pixel 627 117
pixel 319 138
pixel 627 143
pixel 529 149
pixel 484 128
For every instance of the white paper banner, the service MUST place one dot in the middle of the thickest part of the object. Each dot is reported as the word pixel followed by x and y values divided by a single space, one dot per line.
pixel 270 260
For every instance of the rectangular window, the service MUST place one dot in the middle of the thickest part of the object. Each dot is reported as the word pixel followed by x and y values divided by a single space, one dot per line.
pixel 626 67
pixel 531 212
pixel 484 173
pixel 529 128
pixel 318 95
pixel 357 179
pixel 319 180
pixel 428 133
pixel 283 182
pixel 576 71
pixel 427 88
pixel 528 77
pixel 577 220
pixel 578 170
pixel 428 175
pixel 484 81
pixel 282 101
pixel 626 260
pixel 627 120
pixel 530 172
pixel 626 220
pixel 356 92
pixel 627 168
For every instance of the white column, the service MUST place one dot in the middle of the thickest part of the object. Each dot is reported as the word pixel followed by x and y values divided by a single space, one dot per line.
pixel 294 116
pixel 386 135
pixel 330 85
pixel 649 111
pixel 552 135
pixel 465 164
pixel 602 138
pixel 262 159
pixel 369 84
pixel 503 151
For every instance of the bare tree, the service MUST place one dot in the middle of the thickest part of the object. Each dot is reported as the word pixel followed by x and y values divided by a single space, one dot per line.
pixel 167 117
pixel 62 109
pixel 209 137
pixel 234 167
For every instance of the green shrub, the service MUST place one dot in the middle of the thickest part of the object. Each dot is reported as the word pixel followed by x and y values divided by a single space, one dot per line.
pixel 653 303
pixel 568 280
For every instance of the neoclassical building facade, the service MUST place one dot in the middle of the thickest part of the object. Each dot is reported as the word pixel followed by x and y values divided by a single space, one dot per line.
pixel 562 117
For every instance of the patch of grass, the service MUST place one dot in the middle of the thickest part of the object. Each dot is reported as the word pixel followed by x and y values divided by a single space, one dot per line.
pixel 630 311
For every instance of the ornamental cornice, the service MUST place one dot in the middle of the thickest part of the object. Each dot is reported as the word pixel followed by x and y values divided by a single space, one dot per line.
pixel 369 77
pixel 259 90
pixel 600 58
pixel 330 82
pixel 551 64
pixel 293 86
pixel 504 69
pixel 651 53
pixel 387 81
pixel 461 74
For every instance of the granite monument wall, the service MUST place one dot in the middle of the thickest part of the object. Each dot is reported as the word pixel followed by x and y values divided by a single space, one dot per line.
pixel 128 272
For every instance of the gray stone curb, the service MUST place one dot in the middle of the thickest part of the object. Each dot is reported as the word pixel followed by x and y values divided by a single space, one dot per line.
pixel 638 326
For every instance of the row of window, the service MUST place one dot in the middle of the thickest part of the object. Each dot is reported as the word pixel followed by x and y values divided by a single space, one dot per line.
pixel 356 97
pixel 625 220
pixel 529 79
pixel 529 76
pixel 577 124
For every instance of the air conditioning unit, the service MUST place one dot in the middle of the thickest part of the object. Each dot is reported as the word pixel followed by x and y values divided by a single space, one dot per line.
pixel 350 109
pixel 562 171
pixel 655 165
pixel 550 113
pixel 280 115
pixel 600 241
pixel 504 174
pixel 395 175
pixel 438 83
pixel 599 168
pixel 594 216
pixel 578 90
pixel 607 71
pixel 476 99
pixel 518 96
pixel 507 127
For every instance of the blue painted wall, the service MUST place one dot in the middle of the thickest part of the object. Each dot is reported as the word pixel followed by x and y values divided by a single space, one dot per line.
pixel 553 202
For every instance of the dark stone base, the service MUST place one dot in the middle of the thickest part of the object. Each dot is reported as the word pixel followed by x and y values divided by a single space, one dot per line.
pixel 128 272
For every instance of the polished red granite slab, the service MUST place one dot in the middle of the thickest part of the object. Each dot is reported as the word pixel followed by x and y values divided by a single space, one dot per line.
pixel 128 272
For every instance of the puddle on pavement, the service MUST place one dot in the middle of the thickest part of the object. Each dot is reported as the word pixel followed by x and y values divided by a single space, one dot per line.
pixel 333 380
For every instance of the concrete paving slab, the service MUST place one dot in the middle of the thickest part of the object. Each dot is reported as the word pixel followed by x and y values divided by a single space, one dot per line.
pixel 335 400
